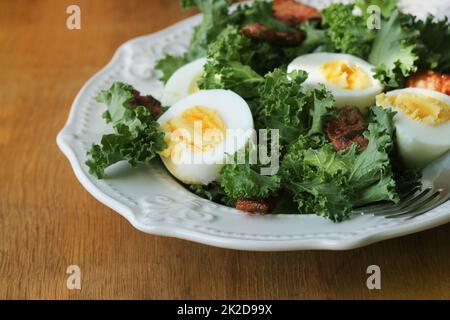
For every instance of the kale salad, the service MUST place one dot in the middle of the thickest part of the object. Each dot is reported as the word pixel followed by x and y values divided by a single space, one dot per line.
pixel 279 107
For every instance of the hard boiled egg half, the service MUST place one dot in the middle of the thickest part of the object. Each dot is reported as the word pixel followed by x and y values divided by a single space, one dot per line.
pixel 422 123
pixel 183 82
pixel 349 78
pixel 201 131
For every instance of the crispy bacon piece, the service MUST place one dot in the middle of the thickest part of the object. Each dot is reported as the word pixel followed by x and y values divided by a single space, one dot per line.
pixel 253 206
pixel 346 129
pixel 430 79
pixel 259 32
pixel 294 13
pixel 153 105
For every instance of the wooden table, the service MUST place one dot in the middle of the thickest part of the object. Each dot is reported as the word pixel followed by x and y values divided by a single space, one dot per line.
pixel 48 221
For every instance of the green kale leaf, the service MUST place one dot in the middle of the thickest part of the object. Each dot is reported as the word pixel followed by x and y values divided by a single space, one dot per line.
pixel 213 192
pixel 137 136
pixel 395 49
pixel 241 176
pixel 347 32
pixel 285 105
pixel 317 39
pixel 233 62
pixel 371 170
pixel 386 7
pixel 435 36
pixel 169 64
pixel 260 11
pixel 245 181
pixel 215 18
pixel 316 185
pixel 323 108
pixel 331 183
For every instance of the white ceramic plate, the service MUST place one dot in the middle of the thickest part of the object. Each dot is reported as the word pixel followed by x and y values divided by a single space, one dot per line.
pixel 153 202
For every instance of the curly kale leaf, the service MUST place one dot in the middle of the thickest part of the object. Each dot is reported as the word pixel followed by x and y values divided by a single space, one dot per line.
pixel 169 64
pixel 316 185
pixel 136 138
pixel 386 7
pixel 435 35
pixel 371 170
pixel 317 39
pixel 285 105
pixel 242 176
pixel 324 195
pixel 322 108
pixel 260 11
pixel 245 181
pixel 231 76
pixel 347 32
pixel 331 183
pixel 213 192
pixel 233 63
pixel 215 18
pixel 395 49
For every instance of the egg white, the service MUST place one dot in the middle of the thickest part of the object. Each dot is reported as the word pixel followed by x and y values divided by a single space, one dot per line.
pixel 418 142
pixel 234 113
pixel 178 85
pixel 361 98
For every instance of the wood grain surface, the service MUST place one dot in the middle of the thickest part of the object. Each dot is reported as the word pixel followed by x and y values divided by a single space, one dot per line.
pixel 48 221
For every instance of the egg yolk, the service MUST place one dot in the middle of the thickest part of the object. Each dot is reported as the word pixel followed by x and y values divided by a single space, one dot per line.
pixel 419 107
pixel 345 75
pixel 198 128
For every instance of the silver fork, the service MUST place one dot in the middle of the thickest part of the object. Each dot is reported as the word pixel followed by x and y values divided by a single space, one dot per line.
pixel 434 190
